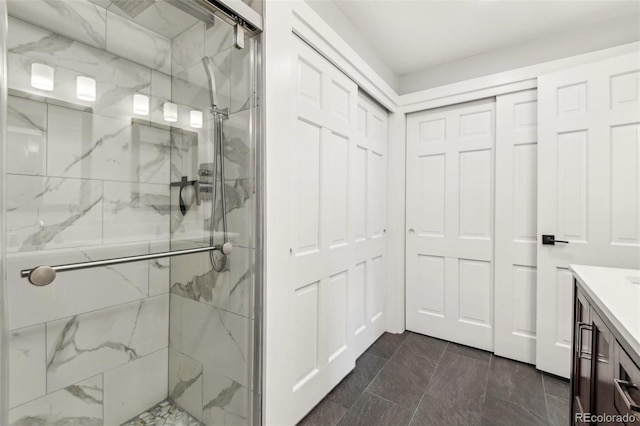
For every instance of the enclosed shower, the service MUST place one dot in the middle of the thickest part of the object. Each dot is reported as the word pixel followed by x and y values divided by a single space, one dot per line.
pixel 131 188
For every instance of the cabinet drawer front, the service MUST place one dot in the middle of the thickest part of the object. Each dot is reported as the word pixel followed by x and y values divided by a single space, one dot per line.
pixel 627 386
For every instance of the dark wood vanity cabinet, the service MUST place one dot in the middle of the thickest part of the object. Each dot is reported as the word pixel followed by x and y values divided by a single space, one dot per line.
pixel 602 368
pixel 605 381
pixel 581 372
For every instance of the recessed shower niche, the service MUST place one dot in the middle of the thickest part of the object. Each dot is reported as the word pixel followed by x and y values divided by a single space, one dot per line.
pixel 132 180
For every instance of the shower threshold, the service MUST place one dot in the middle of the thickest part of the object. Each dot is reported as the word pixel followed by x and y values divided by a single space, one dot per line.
pixel 166 413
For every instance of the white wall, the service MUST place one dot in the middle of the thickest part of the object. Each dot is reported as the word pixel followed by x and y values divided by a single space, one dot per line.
pixel 585 39
pixel 341 24
pixel 576 41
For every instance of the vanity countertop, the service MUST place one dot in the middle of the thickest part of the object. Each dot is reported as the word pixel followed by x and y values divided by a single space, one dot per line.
pixel 615 295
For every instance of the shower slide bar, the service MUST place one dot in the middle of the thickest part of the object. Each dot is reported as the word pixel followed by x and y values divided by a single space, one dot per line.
pixel 44 275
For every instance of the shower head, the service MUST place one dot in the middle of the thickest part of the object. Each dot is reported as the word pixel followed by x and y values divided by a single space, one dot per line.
pixel 133 8
pixel 208 68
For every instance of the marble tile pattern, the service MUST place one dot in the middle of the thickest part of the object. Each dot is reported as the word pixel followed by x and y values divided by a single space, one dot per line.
pixel 134 387
pixel 166 413
pixel 117 79
pixel 240 189
pixel 190 85
pixel 87 344
pixel 226 402
pixel 161 18
pixel 238 147
pixel 188 228
pixel 135 211
pixel 210 321
pixel 195 225
pixel 218 38
pixel 159 269
pixel 102 3
pixel 241 77
pixel 185 382
pixel 240 195
pixel 77 404
pixel 187 49
pixel 50 212
pixel 194 278
pixel 89 180
pixel 92 289
pixel 79 20
pixel 27 137
pixel 27 357
pixel 92 146
pixel 160 93
pixel 130 40
pixel 223 339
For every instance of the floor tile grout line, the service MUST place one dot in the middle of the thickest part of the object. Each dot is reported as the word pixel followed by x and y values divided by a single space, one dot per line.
pixel 374 378
pixel 341 417
pixel 486 384
pixel 385 364
pixel 426 389
pixel 529 410
pixel 385 399
pixel 366 387
pixel 546 404
pixel 417 408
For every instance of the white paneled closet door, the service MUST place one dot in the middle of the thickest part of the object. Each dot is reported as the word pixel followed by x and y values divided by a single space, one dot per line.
pixel 449 256
pixel 515 239
pixel 338 187
pixel 368 206
pixel 588 188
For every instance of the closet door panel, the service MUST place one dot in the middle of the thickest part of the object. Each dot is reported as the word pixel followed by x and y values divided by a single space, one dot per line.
pixel 450 199
pixel 322 271
pixel 515 245
pixel 337 276
pixel 370 174
pixel 587 188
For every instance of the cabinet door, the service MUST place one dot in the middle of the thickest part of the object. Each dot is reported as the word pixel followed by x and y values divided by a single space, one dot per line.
pixel 581 377
pixel 603 368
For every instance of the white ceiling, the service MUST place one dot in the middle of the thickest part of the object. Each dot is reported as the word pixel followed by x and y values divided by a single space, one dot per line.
pixel 414 35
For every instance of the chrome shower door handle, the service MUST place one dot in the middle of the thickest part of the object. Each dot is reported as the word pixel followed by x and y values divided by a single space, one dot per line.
pixel 44 275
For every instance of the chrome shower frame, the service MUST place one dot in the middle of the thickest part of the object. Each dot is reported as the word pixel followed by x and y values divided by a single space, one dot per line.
pixel 257 131
pixel 4 353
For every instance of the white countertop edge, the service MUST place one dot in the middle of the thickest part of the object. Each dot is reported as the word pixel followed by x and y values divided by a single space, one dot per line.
pixel 584 276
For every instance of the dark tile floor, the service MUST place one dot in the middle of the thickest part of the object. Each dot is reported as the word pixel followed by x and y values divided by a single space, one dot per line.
pixel 410 379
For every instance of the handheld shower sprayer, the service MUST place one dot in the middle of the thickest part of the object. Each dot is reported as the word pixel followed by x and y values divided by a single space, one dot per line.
pixel 208 68
pixel 218 155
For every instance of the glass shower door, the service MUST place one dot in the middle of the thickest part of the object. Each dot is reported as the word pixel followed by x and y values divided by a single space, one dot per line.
pixel 135 312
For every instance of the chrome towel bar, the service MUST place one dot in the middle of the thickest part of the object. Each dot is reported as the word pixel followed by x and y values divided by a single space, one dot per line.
pixel 44 275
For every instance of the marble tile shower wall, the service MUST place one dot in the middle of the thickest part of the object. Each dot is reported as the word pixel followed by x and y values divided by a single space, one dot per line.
pixel 211 317
pixel 86 182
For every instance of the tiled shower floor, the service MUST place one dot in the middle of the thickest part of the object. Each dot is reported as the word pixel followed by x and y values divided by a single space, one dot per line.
pixel 164 414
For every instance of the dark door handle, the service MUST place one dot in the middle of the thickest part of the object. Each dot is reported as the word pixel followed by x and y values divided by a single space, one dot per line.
pixel 551 240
